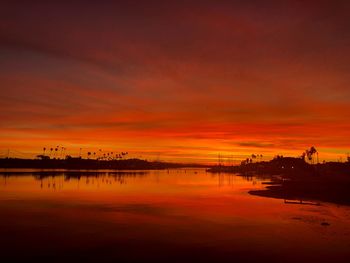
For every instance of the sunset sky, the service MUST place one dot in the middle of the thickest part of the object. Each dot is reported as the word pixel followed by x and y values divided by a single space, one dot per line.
pixel 175 80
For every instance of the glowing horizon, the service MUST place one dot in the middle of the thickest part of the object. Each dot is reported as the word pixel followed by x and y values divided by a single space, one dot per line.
pixel 174 81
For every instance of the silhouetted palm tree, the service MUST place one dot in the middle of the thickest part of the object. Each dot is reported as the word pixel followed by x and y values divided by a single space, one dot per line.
pixel 310 153
pixel 56 149
pixel 61 152
pixel 253 156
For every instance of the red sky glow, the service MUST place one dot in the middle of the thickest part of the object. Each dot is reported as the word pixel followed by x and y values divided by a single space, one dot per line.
pixel 175 80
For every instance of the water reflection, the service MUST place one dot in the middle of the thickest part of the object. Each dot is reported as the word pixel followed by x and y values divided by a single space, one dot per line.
pixel 161 216
pixel 56 179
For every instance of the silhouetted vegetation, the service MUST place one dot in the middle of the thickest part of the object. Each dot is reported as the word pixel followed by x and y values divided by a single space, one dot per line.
pixel 45 162
pixel 290 167
pixel 298 178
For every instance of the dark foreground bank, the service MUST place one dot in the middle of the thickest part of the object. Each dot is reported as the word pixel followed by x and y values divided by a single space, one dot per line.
pixel 295 179
pixel 322 188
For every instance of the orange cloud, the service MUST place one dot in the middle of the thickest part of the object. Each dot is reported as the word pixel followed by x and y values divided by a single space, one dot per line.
pixel 182 82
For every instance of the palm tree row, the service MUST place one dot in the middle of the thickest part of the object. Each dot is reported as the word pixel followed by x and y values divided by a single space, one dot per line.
pixel 54 152
pixel 97 155
pixel 106 155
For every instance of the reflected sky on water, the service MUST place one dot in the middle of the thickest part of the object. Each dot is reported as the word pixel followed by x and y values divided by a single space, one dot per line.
pixel 174 215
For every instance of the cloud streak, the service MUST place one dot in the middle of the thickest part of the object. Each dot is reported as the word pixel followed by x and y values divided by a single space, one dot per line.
pixel 228 77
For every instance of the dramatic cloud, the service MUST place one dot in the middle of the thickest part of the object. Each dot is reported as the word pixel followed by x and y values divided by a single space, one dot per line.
pixel 178 80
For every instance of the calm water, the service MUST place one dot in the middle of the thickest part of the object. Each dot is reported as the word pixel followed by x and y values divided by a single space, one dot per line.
pixel 162 216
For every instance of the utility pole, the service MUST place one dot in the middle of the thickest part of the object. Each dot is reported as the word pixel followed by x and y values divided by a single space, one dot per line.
pixel 219 160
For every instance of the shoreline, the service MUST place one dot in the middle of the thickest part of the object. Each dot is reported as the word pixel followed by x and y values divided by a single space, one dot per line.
pixel 92 164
